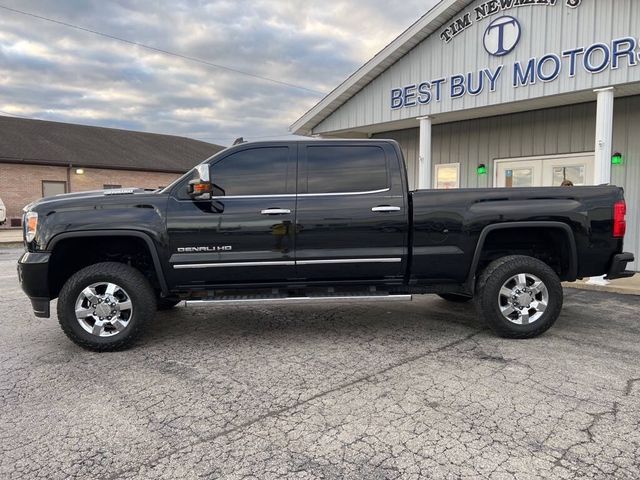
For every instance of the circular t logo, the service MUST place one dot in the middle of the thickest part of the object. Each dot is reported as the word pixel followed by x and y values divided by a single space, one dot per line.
pixel 502 36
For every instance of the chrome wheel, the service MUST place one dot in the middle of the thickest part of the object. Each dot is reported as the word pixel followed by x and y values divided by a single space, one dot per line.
pixel 104 309
pixel 523 299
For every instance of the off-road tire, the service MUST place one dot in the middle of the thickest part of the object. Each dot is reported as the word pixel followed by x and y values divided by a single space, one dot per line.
pixel 488 290
pixel 452 297
pixel 140 292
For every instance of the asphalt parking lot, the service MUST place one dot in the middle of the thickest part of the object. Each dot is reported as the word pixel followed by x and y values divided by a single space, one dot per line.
pixel 399 390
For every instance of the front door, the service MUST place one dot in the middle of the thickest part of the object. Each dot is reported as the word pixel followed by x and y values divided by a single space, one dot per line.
pixel 352 215
pixel 245 234
pixel 549 171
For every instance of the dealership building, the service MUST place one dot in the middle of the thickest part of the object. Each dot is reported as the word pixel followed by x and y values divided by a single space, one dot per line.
pixel 504 93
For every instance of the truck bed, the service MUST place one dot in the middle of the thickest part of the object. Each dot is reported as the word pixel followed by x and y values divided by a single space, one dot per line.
pixel 447 226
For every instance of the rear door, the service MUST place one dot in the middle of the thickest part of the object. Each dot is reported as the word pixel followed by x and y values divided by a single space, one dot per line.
pixel 352 217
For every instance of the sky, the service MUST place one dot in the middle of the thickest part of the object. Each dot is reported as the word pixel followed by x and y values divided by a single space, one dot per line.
pixel 53 72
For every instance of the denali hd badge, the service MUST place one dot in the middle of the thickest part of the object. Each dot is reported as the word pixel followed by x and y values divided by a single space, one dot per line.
pixel 226 248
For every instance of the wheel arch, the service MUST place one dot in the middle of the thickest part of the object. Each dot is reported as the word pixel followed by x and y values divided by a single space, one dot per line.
pixel 572 271
pixel 146 239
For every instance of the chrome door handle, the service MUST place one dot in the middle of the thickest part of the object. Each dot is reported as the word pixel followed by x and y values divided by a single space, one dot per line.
pixel 385 209
pixel 276 211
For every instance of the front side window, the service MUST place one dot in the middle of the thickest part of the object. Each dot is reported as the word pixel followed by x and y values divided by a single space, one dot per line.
pixel 257 171
pixel 345 169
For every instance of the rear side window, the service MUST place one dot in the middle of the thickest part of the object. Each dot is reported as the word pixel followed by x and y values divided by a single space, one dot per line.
pixel 345 169
pixel 257 171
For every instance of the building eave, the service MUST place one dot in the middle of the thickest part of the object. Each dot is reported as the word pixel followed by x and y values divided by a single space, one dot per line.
pixel 63 164
pixel 431 22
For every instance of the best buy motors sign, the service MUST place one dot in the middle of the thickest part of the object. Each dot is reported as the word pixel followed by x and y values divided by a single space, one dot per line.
pixel 500 38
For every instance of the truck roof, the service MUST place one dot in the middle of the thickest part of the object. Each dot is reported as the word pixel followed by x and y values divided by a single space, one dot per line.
pixel 315 140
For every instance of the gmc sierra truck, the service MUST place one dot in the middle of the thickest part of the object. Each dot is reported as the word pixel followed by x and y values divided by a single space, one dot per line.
pixel 313 220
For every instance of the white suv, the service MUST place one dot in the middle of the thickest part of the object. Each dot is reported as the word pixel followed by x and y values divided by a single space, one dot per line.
pixel 3 213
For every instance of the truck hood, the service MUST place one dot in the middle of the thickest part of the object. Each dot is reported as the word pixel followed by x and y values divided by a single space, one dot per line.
pixel 122 209
pixel 88 198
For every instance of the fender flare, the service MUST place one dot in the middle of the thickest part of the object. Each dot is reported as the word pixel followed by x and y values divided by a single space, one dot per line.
pixel 118 233
pixel 572 273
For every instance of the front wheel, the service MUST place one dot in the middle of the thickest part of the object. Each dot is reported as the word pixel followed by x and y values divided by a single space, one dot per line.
pixel 519 297
pixel 104 306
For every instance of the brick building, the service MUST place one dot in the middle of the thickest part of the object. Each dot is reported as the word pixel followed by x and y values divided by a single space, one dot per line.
pixel 39 158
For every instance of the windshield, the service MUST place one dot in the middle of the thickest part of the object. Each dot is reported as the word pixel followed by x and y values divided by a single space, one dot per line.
pixel 190 172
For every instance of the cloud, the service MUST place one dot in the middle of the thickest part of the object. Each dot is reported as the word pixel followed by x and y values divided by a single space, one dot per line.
pixel 54 72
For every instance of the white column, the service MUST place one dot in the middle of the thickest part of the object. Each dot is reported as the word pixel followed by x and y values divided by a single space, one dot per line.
pixel 604 135
pixel 604 148
pixel 424 165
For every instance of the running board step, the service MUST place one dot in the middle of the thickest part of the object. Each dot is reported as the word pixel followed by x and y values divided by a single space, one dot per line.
pixel 284 300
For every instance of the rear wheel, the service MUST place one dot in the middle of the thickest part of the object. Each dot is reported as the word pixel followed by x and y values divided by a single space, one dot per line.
pixel 519 297
pixel 103 307
pixel 452 297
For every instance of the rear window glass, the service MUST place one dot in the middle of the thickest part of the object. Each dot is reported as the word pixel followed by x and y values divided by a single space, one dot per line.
pixel 345 169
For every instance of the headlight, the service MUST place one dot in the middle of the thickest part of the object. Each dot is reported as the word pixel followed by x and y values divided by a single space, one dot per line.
pixel 30 226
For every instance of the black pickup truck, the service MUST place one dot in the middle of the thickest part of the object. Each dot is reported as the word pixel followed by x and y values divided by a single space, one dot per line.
pixel 313 220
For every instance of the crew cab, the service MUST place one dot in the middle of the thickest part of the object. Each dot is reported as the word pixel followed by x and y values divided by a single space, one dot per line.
pixel 313 220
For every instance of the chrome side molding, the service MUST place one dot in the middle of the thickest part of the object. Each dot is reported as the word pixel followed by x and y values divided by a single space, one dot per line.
pixel 335 261
pixel 348 260
pixel 234 264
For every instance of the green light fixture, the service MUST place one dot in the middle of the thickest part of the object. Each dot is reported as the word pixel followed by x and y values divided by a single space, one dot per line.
pixel 482 169
pixel 617 159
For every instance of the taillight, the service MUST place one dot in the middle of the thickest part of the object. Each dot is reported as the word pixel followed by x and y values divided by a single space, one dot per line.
pixel 619 222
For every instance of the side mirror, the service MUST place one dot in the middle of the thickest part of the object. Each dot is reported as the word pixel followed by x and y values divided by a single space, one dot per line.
pixel 200 188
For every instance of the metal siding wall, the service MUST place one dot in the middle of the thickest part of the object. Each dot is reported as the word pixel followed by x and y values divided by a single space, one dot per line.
pixel 545 30
pixel 541 132
pixel 560 130
pixel 626 140
pixel 409 143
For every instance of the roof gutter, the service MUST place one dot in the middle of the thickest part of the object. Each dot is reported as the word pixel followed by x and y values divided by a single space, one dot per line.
pixel 49 163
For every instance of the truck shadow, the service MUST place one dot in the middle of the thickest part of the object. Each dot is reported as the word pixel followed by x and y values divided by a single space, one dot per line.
pixel 419 320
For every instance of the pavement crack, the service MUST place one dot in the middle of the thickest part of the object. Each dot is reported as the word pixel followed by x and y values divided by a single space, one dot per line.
pixel 629 387
pixel 294 406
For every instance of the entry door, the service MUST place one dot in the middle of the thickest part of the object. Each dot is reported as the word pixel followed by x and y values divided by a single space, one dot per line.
pixel 579 170
pixel 545 171
pixel 352 216
pixel 518 174
pixel 246 233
